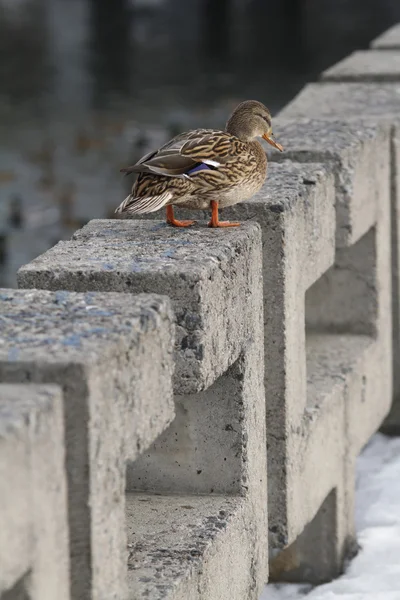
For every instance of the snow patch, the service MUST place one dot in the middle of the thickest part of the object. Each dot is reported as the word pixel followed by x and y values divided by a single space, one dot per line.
pixel 374 574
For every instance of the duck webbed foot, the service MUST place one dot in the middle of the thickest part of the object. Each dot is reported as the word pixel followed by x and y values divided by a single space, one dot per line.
pixel 175 222
pixel 215 222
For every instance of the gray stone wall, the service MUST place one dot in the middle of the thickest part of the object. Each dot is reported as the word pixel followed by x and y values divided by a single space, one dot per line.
pixel 181 410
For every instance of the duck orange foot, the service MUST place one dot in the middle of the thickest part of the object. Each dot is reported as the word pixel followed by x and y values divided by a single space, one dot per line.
pixel 215 222
pixel 175 222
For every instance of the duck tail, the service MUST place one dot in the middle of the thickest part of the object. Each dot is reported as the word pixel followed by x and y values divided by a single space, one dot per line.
pixel 148 204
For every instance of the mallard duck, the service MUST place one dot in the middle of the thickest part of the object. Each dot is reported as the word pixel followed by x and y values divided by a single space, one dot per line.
pixel 204 168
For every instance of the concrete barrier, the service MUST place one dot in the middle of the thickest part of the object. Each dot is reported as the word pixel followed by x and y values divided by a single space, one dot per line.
pixel 345 101
pixel 210 464
pixel 284 332
pixel 33 505
pixel 367 66
pixel 347 323
pixel 373 103
pixel 99 349
pixel 389 40
pixel 325 217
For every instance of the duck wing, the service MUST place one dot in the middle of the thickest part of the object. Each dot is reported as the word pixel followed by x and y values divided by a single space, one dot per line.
pixel 189 153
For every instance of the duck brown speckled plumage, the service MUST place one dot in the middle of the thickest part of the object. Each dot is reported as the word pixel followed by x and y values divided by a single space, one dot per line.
pixel 204 168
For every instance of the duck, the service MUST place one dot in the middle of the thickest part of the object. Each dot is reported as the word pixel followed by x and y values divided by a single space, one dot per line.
pixel 204 168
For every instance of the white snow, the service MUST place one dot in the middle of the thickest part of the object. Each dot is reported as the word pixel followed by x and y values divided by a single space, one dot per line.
pixel 374 574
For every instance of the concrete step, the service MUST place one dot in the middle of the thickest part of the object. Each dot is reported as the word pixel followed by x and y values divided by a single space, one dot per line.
pixel 178 543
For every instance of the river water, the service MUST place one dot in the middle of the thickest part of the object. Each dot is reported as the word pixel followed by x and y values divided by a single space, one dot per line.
pixel 87 86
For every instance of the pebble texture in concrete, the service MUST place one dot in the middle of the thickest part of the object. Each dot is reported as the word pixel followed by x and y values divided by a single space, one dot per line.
pixel 34 554
pixel 366 65
pixel 214 279
pixel 190 266
pixel 327 325
pixel 188 495
pixel 389 40
pixel 192 539
pixel 111 354
pixel 357 154
pixel 373 103
pixel 349 299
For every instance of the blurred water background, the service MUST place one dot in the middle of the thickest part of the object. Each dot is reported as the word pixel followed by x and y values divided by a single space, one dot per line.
pixel 87 86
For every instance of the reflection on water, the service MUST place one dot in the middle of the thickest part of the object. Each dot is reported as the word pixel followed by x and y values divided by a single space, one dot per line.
pixel 89 85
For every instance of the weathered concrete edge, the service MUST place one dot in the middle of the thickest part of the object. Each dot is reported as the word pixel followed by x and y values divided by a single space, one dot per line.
pixel 216 533
pixel 34 523
pixel 388 40
pixel 78 366
pixel 204 347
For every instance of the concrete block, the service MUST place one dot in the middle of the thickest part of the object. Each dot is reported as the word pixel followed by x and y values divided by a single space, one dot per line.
pixel 345 101
pixel 111 354
pixel 327 345
pixel 214 451
pixel 196 542
pixel 193 267
pixel 389 40
pixel 374 103
pixel 367 66
pixel 34 552
pixel 348 349
pixel 216 445
pixel 356 153
pixel 207 534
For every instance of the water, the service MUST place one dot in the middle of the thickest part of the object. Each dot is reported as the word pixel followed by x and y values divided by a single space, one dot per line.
pixel 87 86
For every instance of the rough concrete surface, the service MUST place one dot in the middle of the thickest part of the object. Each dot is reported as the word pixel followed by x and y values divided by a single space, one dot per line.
pixel 351 297
pixel 290 187
pixel 193 267
pixel 345 101
pixel 175 508
pixel 356 153
pixel 96 347
pixel 34 551
pixel 193 455
pixel 342 296
pixel 389 40
pixel 373 103
pixel 366 65
pixel 195 542
pixel 217 299
pixel 215 446
pixel 214 279
pixel 296 211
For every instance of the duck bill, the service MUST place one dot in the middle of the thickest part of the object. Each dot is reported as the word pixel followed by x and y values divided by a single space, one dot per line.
pixel 273 142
